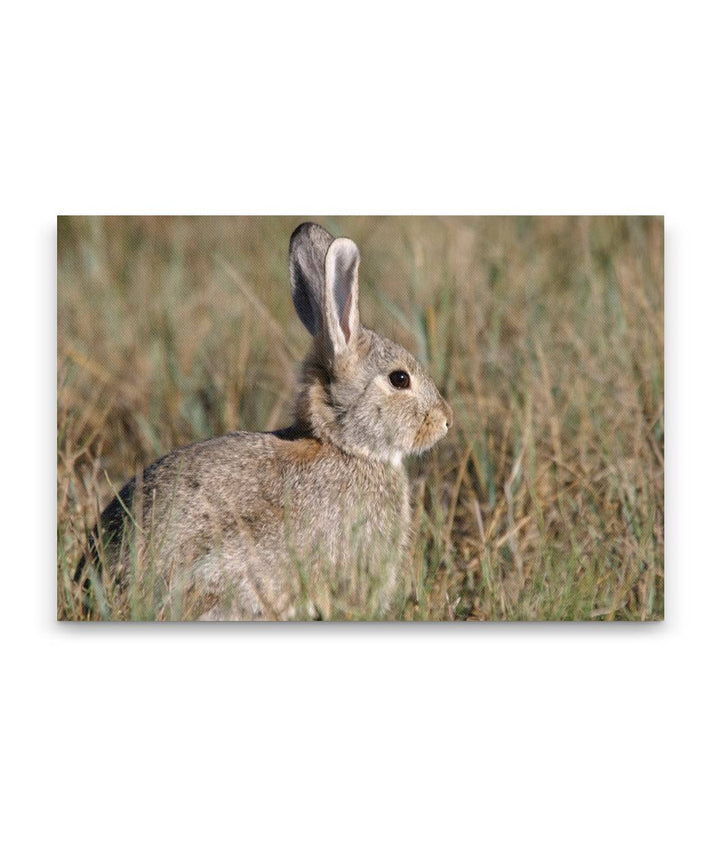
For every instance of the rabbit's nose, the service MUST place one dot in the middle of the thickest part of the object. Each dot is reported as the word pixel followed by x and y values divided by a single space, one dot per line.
pixel 447 412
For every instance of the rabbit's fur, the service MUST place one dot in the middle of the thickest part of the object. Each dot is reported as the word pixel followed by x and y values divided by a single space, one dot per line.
pixel 295 522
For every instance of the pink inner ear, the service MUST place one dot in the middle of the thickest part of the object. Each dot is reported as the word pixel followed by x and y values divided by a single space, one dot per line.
pixel 345 319
pixel 342 277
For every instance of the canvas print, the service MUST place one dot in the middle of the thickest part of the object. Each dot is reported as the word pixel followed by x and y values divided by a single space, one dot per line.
pixel 360 418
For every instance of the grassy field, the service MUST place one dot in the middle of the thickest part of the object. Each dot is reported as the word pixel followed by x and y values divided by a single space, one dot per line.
pixel 545 335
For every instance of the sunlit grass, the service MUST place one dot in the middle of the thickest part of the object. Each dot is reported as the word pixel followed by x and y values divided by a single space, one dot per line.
pixel 545 334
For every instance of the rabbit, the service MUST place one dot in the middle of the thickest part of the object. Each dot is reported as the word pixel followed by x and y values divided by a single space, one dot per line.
pixel 310 521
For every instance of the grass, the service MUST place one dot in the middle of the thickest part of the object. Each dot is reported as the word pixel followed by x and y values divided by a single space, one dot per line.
pixel 545 334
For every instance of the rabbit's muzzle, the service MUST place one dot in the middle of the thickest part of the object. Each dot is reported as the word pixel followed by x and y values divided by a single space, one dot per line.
pixel 437 423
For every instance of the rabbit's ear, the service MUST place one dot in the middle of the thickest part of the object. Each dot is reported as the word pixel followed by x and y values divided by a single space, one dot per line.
pixel 341 295
pixel 308 247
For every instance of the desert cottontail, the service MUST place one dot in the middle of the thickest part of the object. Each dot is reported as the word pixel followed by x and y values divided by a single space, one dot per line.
pixel 309 521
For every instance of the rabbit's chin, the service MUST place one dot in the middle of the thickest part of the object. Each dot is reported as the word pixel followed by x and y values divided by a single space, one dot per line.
pixel 420 449
pixel 426 440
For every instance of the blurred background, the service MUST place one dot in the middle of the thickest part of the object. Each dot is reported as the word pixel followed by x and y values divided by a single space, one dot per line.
pixel 545 334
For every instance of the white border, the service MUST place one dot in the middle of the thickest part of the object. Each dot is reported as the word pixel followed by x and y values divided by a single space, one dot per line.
pixel 506 739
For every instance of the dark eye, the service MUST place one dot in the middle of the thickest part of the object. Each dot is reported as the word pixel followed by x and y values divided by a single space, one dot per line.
pixel 400 379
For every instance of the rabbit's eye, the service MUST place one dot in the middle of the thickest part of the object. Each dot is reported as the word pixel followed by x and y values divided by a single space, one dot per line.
pixel 400 379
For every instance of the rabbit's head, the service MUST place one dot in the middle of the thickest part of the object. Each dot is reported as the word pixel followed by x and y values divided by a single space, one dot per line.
pixel 359 390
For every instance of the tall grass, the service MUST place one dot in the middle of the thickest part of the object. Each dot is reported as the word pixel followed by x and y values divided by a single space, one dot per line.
pixel 545 334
